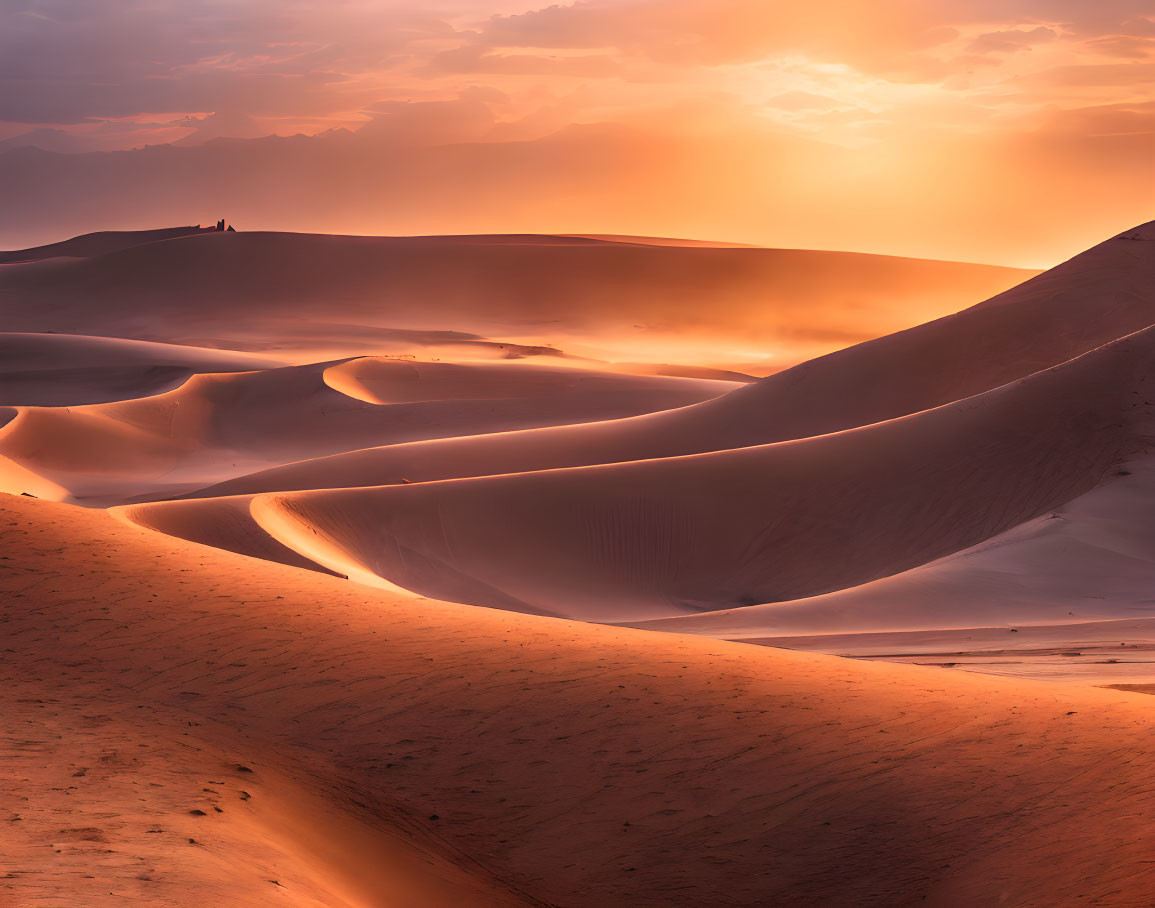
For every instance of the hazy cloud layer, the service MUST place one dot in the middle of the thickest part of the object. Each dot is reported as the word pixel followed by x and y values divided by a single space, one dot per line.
pixel 898 93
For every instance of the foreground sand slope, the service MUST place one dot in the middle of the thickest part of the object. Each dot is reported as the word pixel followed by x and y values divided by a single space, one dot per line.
pixel 1096 297
pixel 580 765
pixel 215 426
pixel 763 524
pixel 106 801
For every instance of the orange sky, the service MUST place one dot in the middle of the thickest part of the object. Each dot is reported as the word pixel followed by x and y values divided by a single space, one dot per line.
pixel 1015 132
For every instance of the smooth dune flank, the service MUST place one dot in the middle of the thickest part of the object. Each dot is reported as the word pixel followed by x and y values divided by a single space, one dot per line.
pixel 62 370
pixel 99 243
pixel 214 427
pixel 1090 560
pixel 368 748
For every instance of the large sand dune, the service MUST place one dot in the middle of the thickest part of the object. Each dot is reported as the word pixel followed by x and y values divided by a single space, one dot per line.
pixel 299 292
pixel 767 523
pixel 200 708
pixel 1096 297
pixel 368 748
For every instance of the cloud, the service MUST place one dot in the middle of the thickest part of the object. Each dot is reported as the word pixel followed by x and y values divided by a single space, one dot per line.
pixel 424 123
pixel 1097 74
pixel 877 36
pixel 479 60
pixel 224 124
pixel 803 100
pixel 1126 46
pixel 66 61
pixel 770 121
pixel 57 140
pixel 1011 40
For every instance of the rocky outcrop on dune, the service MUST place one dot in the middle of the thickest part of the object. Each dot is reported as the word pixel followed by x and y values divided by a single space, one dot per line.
pixel 201 726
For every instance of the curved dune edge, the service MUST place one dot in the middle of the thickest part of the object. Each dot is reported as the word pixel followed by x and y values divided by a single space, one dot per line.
pixel 650 539
pixel 388 380
pixel 420 709
pixel 216 426
pixel 222 523
pixel 66 370
pixel 1098 296
pixel 16 479
pixel 292 527
pixel 303 540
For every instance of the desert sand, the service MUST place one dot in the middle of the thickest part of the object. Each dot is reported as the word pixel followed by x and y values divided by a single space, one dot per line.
pixel 370 748
pixel 66 370
pixel 741 527
pixel 213 427
pixel 485 570
pixel 99 243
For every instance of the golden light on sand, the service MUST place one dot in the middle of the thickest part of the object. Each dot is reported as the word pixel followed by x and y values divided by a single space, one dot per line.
pixel 605 453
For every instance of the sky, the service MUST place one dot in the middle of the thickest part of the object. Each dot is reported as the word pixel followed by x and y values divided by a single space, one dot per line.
pixel 1007 131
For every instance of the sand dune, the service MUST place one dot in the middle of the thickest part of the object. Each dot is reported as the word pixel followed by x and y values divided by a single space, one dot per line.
pixel 217 426
pixel 154 807
pixel 63 370
pixel 661 241
pixel 380 380
pixel 100 243
pixel 768 523
pixel 1092 559
pixel 1098 296
pixel 223 523
pixel 245 290
pixel 452 750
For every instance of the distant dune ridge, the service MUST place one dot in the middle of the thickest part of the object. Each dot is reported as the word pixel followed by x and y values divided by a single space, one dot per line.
pixel 208 710
pixel 277 292
pixel 100 243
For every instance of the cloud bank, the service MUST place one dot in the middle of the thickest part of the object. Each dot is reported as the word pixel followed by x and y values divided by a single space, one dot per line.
pixel 1007 131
